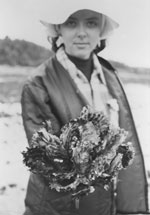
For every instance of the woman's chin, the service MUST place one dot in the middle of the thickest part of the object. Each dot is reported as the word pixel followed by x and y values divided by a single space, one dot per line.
pixel 82 54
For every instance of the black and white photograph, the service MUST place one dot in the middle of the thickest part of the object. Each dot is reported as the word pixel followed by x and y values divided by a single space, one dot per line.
pixel 74 107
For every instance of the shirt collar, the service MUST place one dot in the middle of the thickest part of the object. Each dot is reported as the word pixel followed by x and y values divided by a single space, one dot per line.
pixel 98 69
pixel 67 64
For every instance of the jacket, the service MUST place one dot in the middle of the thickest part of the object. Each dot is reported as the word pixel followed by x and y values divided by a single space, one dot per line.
pixel 51 94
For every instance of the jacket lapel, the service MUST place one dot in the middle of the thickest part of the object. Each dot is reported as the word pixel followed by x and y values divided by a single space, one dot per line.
pixel 64 94
pixel 135 199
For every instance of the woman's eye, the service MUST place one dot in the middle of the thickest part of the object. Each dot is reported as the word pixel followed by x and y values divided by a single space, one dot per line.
pixel 71 23
pixel 92 24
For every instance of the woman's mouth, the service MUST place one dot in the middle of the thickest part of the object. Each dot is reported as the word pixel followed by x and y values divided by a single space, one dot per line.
pixel 81 45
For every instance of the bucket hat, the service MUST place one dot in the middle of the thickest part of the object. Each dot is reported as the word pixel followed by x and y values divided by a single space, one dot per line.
pixel 54 12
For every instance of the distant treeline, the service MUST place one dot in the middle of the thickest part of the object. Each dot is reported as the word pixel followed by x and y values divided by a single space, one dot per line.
pixel 130 69
pixel 21 52
pixel 25 53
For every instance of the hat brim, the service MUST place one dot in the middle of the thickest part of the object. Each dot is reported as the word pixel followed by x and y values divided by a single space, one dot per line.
pixel 108 27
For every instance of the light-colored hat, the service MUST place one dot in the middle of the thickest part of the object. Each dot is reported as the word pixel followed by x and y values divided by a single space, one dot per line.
pixel 54 12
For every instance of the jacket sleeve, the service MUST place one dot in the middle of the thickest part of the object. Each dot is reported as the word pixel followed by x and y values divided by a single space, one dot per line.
pixel 36 108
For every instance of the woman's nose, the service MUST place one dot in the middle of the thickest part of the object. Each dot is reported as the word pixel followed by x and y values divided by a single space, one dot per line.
pixel 81 31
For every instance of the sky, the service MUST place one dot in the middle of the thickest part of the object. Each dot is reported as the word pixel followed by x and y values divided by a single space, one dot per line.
pixel 129 44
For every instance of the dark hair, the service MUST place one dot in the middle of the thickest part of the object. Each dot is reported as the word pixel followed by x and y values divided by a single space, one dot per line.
pixel 101 47
pixel 97 49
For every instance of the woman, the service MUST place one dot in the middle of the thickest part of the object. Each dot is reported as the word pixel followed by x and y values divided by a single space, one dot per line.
pixel 74 77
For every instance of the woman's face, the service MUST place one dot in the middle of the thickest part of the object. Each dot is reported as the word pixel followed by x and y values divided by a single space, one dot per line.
pixel 81 33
